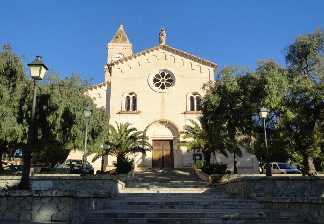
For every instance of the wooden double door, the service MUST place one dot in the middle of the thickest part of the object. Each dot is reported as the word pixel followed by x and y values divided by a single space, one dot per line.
pixel 162 154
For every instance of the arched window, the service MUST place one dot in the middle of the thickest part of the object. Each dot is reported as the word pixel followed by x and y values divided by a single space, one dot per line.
pixel 198 102
pixel 130 102
pixel 127 103
pixel 134 103
pixel 194 102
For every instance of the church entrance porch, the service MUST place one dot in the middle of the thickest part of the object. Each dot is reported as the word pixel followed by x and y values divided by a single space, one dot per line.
pixel 165 154
pixel 162 154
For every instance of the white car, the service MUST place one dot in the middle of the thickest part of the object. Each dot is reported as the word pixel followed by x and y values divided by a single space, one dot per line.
pixel 284 168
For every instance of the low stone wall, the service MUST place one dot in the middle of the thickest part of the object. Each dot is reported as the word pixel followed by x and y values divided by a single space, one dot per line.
pixel 302 194
pixel 64 199
pixel 49 206
pixel 73 183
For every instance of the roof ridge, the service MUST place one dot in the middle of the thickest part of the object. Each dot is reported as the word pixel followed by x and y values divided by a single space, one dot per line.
pixel 168 48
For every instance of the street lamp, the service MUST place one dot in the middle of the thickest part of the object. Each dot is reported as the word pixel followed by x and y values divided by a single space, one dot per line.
pixel 263 113
pixel 87 113
pixel 37 71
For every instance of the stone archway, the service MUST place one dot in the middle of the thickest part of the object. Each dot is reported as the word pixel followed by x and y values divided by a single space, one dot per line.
pixel 163 136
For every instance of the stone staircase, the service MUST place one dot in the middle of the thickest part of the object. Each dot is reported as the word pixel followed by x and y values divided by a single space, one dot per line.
pixel 180 198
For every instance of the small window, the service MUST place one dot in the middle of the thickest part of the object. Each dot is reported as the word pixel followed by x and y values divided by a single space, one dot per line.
pixel 134 103
pixel 127 103
pixel 130 102
pixel 194 102
pixel 198 103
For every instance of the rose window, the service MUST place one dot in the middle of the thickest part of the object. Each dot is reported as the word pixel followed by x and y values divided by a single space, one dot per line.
pixel 163 80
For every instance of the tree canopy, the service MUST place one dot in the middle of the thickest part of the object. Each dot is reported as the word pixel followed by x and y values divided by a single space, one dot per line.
pixel 60 121
pixel 294 96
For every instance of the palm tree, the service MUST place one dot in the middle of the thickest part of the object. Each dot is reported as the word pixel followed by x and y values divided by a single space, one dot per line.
pixel 101 152
pixel 196 139
pixel 123 139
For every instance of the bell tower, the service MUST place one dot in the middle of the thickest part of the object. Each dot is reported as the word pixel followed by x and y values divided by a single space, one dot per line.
pixel 119 46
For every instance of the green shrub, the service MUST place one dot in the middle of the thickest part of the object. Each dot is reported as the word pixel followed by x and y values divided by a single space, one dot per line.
pixel 123 165
pixel 200 164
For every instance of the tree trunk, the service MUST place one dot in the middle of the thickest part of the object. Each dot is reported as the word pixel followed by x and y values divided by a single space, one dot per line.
pixel 309 167
pixel 102 163
pixel 235 163
pixel 207 156
pixel 1 153
pixel 120 157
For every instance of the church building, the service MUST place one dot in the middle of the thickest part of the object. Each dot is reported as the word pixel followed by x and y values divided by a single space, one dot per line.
pixel 157 90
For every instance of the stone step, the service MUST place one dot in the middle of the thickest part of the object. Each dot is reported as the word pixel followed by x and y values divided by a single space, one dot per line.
pixel 167 183
pixel 183 204
pixel 193 216
pixel 175 198
pixel 202 191
pixel 171 196
pixel 178 190
pixel 152 185
pixel 194 213
pixel 193 221
pixel 142 180
pixel 180 200
pixel 178 197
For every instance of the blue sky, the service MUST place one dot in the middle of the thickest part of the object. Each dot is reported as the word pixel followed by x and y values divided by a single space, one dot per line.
pixel 72 35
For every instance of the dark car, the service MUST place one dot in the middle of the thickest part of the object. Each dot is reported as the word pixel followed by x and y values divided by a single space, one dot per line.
pixel 14 169
pixel 75 166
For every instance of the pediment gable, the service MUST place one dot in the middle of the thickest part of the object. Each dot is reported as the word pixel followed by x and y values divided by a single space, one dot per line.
pixel 169 49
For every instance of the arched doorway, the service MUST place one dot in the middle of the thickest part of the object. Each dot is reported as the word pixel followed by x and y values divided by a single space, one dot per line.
pixel 163 135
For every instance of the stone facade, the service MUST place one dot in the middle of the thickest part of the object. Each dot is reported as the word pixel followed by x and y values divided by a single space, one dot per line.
pixel 157 90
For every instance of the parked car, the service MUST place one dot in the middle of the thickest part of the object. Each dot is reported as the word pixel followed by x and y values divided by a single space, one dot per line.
pixel 284 168
pixel 75 166
pixel 13 169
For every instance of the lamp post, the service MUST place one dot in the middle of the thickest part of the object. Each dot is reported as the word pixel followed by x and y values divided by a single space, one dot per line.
pixel 37 71
pixel 263 113
pixel 87 113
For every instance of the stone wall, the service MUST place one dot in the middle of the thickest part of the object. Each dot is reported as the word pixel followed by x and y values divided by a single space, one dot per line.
pixel 49 206
pixel 66 199
pixel 303 194
pixel 90 184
